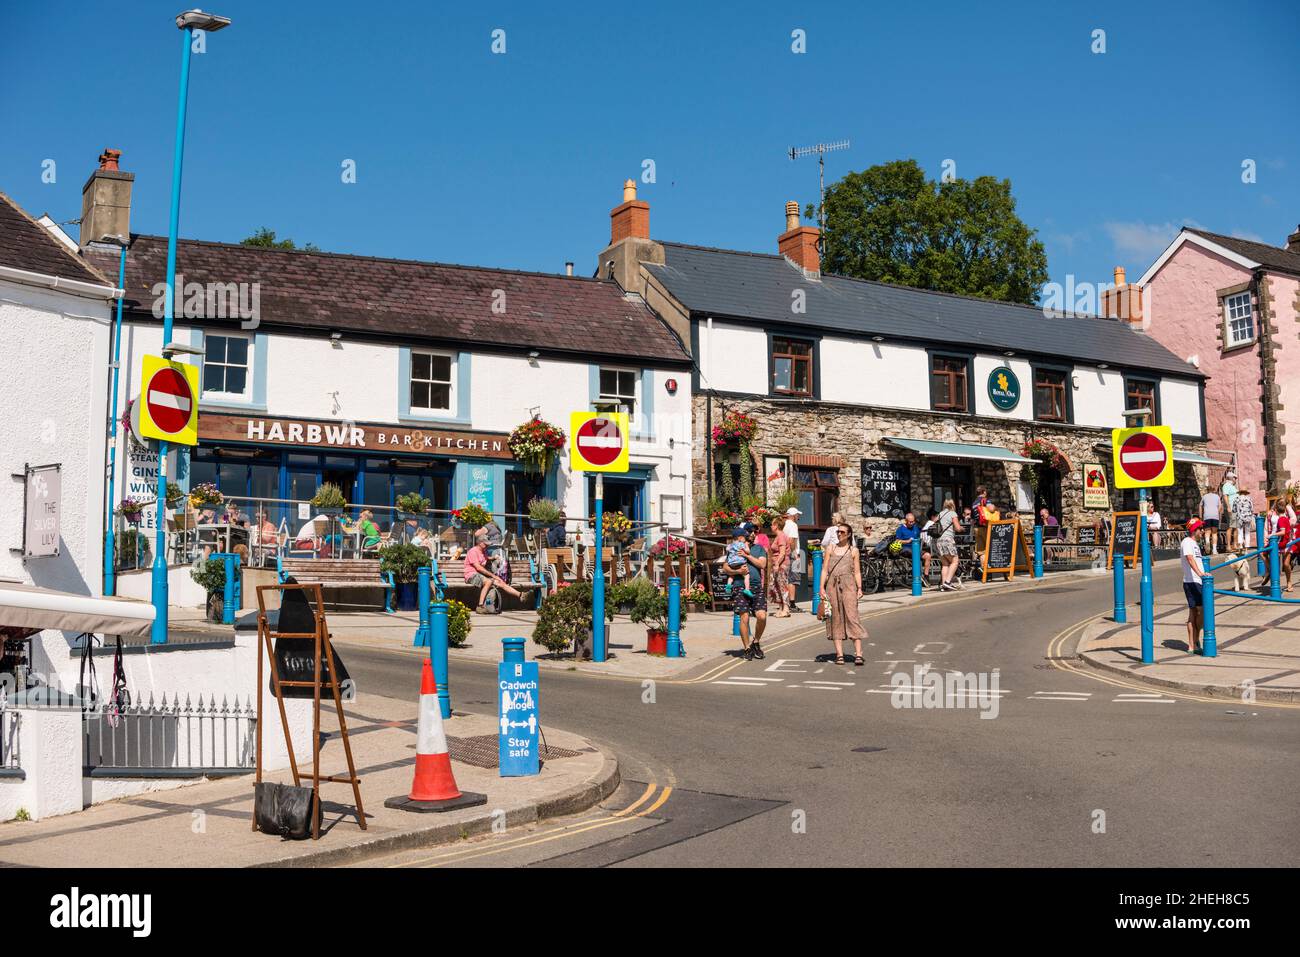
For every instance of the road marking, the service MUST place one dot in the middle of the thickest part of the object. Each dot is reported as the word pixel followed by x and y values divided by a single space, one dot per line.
pixel 845 684
pixel 649 790
pixel 1060 696
pixel 735 683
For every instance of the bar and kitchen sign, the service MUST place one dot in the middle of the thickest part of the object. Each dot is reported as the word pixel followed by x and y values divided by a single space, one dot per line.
pixel 350 435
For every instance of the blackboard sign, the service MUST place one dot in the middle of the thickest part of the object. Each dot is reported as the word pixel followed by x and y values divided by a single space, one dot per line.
pixel 1000 548
pixel 295 658
pixel 1124 535
pixel 718 580
pixel 1085 535
pixel 886 488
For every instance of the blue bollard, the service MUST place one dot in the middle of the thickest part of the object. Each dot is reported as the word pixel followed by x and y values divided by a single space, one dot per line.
pixel 817 581
pixel 1038 551
pixel 735 624
pixel 1274 572
pixel 674 644
pixel 916 567
pixel 1147 597
pixel 1117 572
pixel 1261 563
pixel 422 631
pixel 1209 644
pixel 512 651
pixel 228 603
pixel 438 654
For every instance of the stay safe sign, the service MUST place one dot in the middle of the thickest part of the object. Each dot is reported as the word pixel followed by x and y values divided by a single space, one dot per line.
pixel 598 441
pixel 1144 457
pixel 169 406
pixel 518 739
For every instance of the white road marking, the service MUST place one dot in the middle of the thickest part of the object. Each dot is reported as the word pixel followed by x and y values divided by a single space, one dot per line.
pixel 843 684
pixel 752 678
pixel 1141 699
pixel 741 684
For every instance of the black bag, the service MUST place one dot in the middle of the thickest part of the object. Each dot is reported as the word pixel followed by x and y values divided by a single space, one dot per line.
pixel 284 809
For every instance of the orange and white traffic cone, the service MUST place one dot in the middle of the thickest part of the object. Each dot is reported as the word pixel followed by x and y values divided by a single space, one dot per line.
pixel 434 787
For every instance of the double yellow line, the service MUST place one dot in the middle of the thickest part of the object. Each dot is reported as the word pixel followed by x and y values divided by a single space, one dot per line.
pixel 657 795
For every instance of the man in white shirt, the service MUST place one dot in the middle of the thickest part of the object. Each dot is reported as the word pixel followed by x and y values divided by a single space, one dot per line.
pixel 1211 508
pixel 1193 572
pixel 797 558
pixel 1228 491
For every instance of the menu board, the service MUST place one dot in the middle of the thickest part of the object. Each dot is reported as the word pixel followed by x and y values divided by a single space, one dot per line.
pixel 1086 535
pixel 1124 536
pixel 886 488
pixel 1000 548
pixel 718 580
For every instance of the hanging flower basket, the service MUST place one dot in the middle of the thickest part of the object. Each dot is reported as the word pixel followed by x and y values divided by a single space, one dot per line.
pixel 535 444
pixel 131 510
pixel 736 428
pixel 1048 454
pixel 615 527
pixel 205 494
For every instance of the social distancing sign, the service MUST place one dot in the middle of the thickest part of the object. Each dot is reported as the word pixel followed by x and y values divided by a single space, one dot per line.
pixel 598 441
pixel 1144 457
pixel 169 405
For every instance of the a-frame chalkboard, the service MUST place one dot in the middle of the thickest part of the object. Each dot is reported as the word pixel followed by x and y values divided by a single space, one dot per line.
pixel 1002 544
pixel 1124 537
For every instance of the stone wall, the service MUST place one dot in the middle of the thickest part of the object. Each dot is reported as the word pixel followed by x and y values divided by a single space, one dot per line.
pixel 853 433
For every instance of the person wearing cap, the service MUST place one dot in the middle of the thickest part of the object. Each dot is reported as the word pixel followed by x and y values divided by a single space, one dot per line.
pixel 1228 490
pixel 1193 572
pixel 750 601
pixel 797 556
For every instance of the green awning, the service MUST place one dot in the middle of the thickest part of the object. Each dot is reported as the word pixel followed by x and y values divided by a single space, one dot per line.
pixel 1191 458
pixel 959 450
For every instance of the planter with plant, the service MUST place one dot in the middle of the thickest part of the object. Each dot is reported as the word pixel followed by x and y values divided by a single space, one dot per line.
pixel 175 498
pixel 412 505
pixel 131 510
pixel 615 527
pixel 404 560
pixel 329 500
pixel 535 444
pixel 471 516
pixel 211 577
pixel 565 619
pixel 459 623
pixel 651 610
pixel 1046 453
pixel 206 495
pixel 543 513
pixel 670 545
pixel 695 600
pixel 623 596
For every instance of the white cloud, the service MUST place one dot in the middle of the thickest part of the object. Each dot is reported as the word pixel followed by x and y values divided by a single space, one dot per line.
pixel 1144 241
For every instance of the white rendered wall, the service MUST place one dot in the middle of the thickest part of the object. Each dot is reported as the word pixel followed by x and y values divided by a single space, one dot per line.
pixel 733 358
pixel 1180 406
pixel 874 373
pixel 1024 410
pixel 1098 398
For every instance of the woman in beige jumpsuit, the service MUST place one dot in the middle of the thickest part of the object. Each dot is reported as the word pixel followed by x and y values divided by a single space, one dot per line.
pixel 841 588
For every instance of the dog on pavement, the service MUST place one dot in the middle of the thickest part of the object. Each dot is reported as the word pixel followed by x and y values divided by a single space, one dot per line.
pixel 1240 570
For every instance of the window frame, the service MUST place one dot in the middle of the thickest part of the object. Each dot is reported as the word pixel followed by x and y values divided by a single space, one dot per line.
pixel 1227 300
pixel 818 520
pixel 604 400
pixel 1129 380
pixel 451 383
pixel 936 355
pixel 810 359
pixel 1067 393
pixel 248 366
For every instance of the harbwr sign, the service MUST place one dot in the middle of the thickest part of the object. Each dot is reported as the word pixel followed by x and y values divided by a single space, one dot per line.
pixel 356 436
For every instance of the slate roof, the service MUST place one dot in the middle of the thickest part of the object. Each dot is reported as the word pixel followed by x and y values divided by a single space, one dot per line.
pixel 1270 257
pixel 409 299
pixel 757 287
pixel 26 244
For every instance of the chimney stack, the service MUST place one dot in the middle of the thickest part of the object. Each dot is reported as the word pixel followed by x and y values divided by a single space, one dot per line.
pixel 106 202
pixel 631 220
pixel 1293 241
pixel 799 243
pixel 1124 302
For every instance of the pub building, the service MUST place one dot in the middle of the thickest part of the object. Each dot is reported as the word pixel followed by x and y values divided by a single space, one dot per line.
pixel 387 376
pixel 873 398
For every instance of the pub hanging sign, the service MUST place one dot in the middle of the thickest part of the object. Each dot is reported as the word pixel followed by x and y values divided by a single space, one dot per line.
pixel 41 504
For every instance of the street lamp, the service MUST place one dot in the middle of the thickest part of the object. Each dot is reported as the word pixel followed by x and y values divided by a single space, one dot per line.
pixel 187 22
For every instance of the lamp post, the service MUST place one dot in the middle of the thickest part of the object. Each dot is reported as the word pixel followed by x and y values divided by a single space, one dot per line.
pixel 189 23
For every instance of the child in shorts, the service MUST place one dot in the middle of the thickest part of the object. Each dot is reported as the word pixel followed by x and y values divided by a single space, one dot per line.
pixel 737 549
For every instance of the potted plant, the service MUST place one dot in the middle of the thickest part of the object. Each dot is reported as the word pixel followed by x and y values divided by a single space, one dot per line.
pixel 615 527
pixel 459 623
pixel 175 498
pixel 695 600
pixel 535 444
pixel 404 560
pixel 543 513
pixel 412 505
pixel 131 510
pixel 211 577
pixel 329 500
pixel 206 495
pixel 470 516
pixel 623 597
pixel 565 619
pixel 670 545
pixel 723 520
pixel 651 610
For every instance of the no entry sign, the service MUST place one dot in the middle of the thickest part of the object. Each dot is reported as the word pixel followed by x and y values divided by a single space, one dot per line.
pixel 598 441
pixel 169 407
pixel 1144 458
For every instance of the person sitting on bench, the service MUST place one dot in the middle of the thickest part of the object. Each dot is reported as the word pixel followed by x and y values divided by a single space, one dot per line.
pixel 479 575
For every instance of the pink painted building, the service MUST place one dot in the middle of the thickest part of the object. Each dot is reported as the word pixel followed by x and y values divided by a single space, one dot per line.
pixel 1231 307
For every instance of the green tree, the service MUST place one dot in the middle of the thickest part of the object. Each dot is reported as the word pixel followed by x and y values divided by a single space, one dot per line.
pixel 891 224
pixel 265 239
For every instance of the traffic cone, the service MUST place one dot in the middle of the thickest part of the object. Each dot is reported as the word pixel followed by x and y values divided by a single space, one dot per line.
pixel 434 787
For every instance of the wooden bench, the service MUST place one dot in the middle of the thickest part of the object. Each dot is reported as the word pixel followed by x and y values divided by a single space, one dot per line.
pixel 338 573
pixel 450 576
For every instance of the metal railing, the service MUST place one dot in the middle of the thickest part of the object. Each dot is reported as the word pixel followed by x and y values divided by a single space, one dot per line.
pixel 170 740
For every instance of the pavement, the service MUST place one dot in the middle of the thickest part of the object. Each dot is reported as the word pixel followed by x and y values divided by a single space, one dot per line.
pixel 1258 650
pixel 209 824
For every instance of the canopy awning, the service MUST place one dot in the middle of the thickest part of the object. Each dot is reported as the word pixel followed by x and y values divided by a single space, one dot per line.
pixel 960 450
pixel 29 609
pixel 1190 458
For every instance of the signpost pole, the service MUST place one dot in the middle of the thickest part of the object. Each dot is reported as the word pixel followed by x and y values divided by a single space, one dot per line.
pixel 916 567
pixel 598 578
pixel 1147 598
pixel 674 645
pixel 1038 551
pixel 816 582
pixel 1117 576
pixel 438 654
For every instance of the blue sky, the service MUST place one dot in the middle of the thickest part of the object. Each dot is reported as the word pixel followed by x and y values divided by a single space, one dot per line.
pixel 515 159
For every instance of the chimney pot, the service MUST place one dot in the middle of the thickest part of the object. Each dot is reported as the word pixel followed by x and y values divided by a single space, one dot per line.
pixel 568 269
pixel 791 215
pixel 1119 276
pixel 108 159
pixel 629 190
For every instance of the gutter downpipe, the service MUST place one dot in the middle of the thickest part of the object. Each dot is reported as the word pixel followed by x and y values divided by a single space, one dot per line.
pixel 1267 370
pixel 110 581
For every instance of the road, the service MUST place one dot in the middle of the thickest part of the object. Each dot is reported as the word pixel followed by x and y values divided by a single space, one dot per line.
pixel 795 761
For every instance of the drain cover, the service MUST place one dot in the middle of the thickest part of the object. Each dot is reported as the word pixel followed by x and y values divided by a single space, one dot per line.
pixel 867 749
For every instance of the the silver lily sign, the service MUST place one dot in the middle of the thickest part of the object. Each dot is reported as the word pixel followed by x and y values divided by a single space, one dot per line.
pixel 41 514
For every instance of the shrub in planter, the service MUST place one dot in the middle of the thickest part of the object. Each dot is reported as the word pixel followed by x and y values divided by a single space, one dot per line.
pixel 624 596
pixel 651 610
pixel 413 503
pixel 565 618
pixel 459 623
pixel 175 497
pixel 211 577
pixel 329 498
pixel 404 560
pixel 543 512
